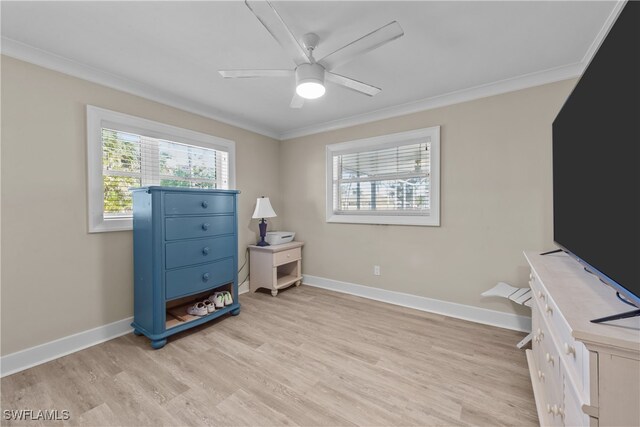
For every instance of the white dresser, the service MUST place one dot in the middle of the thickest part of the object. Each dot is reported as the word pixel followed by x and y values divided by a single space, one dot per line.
pixel 582 373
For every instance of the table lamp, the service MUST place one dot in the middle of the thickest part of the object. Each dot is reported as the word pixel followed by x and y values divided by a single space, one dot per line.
pixel 263 210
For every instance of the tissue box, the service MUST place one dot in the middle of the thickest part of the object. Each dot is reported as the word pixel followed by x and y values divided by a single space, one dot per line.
pixel 279 237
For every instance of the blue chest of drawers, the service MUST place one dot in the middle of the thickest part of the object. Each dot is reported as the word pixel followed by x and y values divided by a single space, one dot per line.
pixel 185 247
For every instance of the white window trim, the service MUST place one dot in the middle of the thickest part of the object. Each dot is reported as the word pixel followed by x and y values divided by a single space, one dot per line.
pixel 380 142
pixel 97 118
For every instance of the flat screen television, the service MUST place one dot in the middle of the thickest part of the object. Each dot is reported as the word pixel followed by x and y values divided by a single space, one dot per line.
pixel 596 162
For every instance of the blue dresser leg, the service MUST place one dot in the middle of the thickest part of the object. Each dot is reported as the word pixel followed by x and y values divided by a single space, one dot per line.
pixel 158 344
pixel 235 311
pixel 137 332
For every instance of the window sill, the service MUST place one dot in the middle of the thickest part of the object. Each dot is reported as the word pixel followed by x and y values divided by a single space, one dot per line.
pixel 419 220
pixel 113 224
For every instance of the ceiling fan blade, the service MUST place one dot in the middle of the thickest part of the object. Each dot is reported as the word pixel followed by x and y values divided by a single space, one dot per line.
pixel 297 101
pixel 246 74
pixel 363 45
pixel 352 84
pixel 274 24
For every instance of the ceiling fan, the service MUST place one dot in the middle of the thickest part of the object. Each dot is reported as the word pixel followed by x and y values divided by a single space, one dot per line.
pixel 310 74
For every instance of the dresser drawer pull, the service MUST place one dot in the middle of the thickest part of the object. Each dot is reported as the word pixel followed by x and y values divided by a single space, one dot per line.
pixel 205 251
pixel 539 336
pixel 204 204
pixel 205 277
pixel 540 295
pixel 205 226
pixel 548 309
pixel 540 375
pixel 569 349
pixel 549 408
pixel 549 358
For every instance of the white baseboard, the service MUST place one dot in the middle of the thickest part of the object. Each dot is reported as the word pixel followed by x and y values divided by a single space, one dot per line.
pixel 244 288
pixel 451 309
pixel 30 357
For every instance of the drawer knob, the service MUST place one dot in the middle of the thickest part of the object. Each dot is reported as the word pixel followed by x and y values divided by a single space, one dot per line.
pixel 549 358
pixel 569 349
pixel 205 251
pixel 554 409
pixel 540 295
pixel 540 375
pixel 549 410
pixel 548 309
pixel 205 277
pixel 204 204
pixel 205 226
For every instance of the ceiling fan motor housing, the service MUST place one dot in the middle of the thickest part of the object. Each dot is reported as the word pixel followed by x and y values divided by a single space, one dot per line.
pixel 310 75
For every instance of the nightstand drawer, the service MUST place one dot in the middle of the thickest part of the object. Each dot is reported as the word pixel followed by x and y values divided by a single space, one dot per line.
pixel 197 226
pixel 186 281
pixel 179 254
pixel 186 204
pixel 284 257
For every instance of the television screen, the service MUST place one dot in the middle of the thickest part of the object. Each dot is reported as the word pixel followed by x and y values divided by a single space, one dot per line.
pixel 596 161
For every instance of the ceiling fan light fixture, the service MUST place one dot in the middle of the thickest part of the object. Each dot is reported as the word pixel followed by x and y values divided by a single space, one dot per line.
pixel 310 90
pixel 310 81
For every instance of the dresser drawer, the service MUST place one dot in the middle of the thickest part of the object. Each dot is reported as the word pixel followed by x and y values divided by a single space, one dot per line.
pixel 572 354
pixel 284 257
pixel 189 252
pixel 186 281
pixel 197 226
pixel 572 408
pixel 187 204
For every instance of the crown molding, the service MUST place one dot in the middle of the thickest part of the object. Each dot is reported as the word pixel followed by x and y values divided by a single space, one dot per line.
pixel 469 94
pixel 42 58
pixel 58 63
pixel 456 97
pixel 608 23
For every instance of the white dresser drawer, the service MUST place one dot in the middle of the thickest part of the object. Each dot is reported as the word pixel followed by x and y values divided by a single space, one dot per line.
pixel 572 354
pixel 289 255
pixel 572 411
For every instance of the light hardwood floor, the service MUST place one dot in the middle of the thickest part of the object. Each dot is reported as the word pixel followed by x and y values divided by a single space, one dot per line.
pixel 306 357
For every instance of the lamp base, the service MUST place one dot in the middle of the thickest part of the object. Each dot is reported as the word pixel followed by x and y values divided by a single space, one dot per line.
pixel 263 232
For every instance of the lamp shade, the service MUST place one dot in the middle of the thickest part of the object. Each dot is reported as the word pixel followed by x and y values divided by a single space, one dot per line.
pixel 263 208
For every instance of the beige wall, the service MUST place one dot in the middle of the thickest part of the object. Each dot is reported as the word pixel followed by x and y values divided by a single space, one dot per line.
pixel 57 279
pixel 495 202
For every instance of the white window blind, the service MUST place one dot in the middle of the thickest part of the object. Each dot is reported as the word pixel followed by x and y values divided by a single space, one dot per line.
pixel 391 179
pixel 125 151
pixel 132 160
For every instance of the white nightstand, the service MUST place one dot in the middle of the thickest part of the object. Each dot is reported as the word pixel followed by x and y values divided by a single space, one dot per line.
pixel 275 267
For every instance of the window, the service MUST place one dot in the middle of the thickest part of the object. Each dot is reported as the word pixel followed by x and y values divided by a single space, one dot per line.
pixel 391 179
pixel 126 151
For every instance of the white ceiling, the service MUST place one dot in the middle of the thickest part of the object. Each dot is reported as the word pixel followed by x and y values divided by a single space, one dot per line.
pixel 171 51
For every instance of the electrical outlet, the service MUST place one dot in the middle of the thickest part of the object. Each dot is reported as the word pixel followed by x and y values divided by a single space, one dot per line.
pixel 376 270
